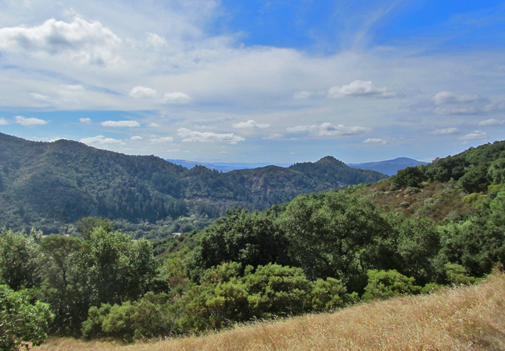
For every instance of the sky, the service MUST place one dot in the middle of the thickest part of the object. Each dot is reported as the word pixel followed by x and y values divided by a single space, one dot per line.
pixel 271 81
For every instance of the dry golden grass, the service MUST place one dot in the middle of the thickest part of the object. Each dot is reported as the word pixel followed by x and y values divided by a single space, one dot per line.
pixel 470 318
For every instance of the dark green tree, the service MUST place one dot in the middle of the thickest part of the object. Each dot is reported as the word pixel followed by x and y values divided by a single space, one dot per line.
pixel 63 283
pixel 19 259
pixel 247 238
pixel 336 235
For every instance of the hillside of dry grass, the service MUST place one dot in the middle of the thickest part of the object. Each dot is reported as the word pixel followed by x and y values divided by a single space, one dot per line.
pixel 464 318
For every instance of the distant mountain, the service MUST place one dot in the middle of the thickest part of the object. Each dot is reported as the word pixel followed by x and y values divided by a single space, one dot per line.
pixel 48 185
pixel 225 166
pixel 389 167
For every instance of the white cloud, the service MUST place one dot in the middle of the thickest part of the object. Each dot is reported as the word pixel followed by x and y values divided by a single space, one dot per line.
pixel 142 92
pixel 136 137
pixel 87 42
pixel 477 135
pixel 207 137
pixel 85 120
pixel 327 129
pixel 274 136
pixel 30 122
pixel 375 140
pixel 100 139
pixel 162 140
pixel 491 122
pixel 448 103
pixel 250 124
pixel 154 125
pixel 120 124
pixel 176 98
pixel 302 95
pixel 40 97
pixel 156 40
pixel 446 131
pixel 71 93
pixel 3 122
pixel 359 88
pixel 446 97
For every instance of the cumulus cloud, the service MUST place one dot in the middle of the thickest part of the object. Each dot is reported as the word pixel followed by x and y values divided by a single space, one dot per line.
pixel 85 120
pixel 327 129
pixel 359 88
pixel 302 95
pixel 3 122
pixel 375 140
pixel 491 122
pixel 30 122
pixel 162 140
pixel 477 135
pixel 87 42
pixel 207 137
pixel 154 125
pixel 176 98
pixel 250 124
pixel 142 92
pixel 120 124
pixel 446 131
pixel 100 139
pixel 136 137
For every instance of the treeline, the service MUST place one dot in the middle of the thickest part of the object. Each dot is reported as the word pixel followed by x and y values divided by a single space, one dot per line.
pixel 52 185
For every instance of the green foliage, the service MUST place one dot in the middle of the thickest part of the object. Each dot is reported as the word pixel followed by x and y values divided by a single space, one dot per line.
pixel 409 177
pixel 335 235
pixel 386 284
pixel 51 185
pixel 20 321
pixel 63 285
pixel 87 224
pixel 146 318
pixel 116 268
pixel 276 290
pixel 92 327
pixel 416 243
pixel 19 255
pixel 458 275
pixel 329 294
pixel 250 239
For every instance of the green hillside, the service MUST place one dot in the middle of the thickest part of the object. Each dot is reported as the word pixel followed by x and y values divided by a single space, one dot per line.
pixel 51 185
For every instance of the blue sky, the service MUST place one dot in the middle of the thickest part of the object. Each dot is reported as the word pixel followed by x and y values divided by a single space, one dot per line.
pixel 255 81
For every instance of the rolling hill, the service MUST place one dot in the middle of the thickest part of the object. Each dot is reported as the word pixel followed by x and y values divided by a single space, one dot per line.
pixel 48 185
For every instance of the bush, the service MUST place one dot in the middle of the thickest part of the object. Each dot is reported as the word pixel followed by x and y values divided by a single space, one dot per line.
pixel 385 284
pixel 21 321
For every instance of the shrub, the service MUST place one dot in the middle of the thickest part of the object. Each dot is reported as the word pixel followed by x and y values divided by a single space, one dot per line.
pixel 385 284
pixel 21 321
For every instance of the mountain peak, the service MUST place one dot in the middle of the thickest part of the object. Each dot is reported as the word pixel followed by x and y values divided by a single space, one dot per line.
pixel 330 160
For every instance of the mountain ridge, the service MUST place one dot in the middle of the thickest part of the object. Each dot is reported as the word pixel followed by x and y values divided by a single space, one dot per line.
pixel 53 184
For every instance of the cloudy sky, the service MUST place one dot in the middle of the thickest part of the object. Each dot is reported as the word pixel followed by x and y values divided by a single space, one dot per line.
pixel 276 81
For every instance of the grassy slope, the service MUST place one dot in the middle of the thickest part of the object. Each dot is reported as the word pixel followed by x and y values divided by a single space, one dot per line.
pixel 452 319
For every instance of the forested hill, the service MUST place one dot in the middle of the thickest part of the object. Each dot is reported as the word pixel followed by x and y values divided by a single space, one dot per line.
pixel 51 184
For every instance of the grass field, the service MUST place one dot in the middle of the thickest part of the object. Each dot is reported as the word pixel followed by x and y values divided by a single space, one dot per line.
pixel 463 318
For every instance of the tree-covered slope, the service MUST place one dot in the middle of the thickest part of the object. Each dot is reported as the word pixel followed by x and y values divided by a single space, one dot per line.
pixel 51 184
